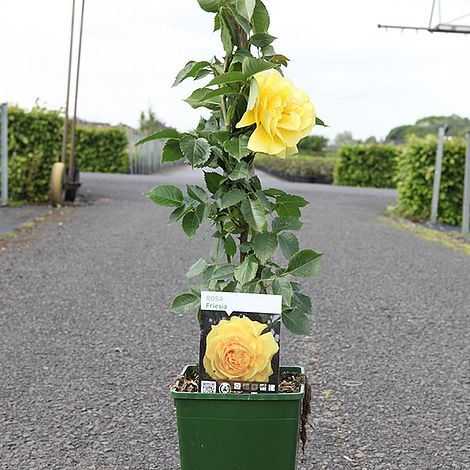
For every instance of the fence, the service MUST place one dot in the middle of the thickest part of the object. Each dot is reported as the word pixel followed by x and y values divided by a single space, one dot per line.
pixel 144 159
pixel 4 151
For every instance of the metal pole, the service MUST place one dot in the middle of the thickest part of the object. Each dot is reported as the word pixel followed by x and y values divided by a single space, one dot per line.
pixel 4 143
pixel 71 171
pixel 66 117
pixel 437 173
pixel 466 191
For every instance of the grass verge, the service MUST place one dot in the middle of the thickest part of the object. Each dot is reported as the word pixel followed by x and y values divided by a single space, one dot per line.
pixel 452 239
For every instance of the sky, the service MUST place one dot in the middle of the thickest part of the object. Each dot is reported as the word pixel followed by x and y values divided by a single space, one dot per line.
pixel 361 79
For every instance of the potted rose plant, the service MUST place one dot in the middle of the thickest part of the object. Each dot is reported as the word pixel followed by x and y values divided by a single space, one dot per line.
pixel 254 109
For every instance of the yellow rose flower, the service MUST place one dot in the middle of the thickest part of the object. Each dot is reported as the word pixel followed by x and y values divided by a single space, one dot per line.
pixel 236 350
pixel 283 115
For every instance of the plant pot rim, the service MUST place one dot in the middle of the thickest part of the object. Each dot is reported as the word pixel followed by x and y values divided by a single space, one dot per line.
pixel 242 396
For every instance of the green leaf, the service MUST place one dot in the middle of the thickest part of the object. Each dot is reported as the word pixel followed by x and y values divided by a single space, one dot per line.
pixel 226 36
pixel 199 99
pixel 274 192
pixel 185 303
pixel 204 96
pixel 247 270
pixel 216 22
pixel 296 321
pixel 163 134
pixel 196 150
pixel 191 69
pixel 282 286
pixel 305 263
pixel 246 247
pixel 230 287
pixel 302 302
pixel 207 275
pixel 218 138
pixel 266 203
pixel 171 151
pixel 288 243
pixel 203 211
pixel 260 19
pixel 197 193
pixel 178 213
pixel 319 122
pixel 232 197
pixel 265 245
pixel 230 246
pixel 287 205
pixel 240 56
pixel 237 147
pixel 286 223
pixel 242 21
pixel 254 93
pixel 252 66
pixel 229 77
pixel 254 288
pixel 280 59
pixel 213 181
pixel 190 224
pixel 241 171
pixel 218 250
pixel 262 39
pixel 225 90
pixel 197 268
pixel 223 273
pixel 212 6
pixel 166 195
pixel 246 8
pixel 254 215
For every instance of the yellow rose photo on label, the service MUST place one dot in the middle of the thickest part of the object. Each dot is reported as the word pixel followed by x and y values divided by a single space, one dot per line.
pixel 238 350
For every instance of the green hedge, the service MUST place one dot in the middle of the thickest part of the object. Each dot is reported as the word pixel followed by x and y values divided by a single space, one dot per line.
pixel 102 150
pixel 34 144
pixel 416 175
pixel 299 167
pixel 367 165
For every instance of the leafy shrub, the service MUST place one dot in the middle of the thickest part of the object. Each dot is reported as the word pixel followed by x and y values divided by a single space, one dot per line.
pixel 101 150
pixel 313 143
pixel 416 175
pixel 299 167
pixel 367 165
pixel 34 144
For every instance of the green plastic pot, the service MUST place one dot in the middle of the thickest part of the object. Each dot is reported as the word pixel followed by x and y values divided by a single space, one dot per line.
pixel 238 431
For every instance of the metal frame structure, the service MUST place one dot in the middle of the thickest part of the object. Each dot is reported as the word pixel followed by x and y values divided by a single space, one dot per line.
pixel 439 27
pixel 65 179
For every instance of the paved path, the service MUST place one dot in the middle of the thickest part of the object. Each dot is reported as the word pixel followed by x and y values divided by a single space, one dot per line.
pixel 88 348
pixel 14 218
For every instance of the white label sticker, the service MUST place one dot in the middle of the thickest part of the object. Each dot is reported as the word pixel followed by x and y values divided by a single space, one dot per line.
pixel 237 302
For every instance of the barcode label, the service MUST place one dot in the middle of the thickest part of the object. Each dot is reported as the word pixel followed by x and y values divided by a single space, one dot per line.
pixel 208 386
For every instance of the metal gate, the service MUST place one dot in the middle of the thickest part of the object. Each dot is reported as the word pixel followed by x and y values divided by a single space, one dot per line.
pixel 144 159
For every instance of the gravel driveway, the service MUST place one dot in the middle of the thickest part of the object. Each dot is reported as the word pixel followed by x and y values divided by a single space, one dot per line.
pixel 88 347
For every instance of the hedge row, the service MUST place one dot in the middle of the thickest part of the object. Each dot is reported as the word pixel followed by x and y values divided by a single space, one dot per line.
pixel 367 165
pixel 34 144
pixel 299 168
pixel 416 175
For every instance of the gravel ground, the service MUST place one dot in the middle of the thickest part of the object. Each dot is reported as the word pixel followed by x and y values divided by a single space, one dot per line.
pixel 88 347
pixel 13 218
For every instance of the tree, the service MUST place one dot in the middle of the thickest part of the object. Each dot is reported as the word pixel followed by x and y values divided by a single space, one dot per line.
pixel 313 143
pixel 344 138
pixel 457 125
pixel 149 123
